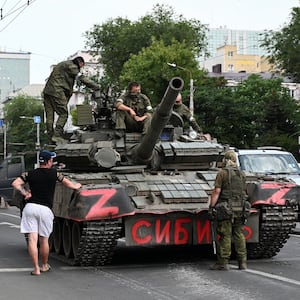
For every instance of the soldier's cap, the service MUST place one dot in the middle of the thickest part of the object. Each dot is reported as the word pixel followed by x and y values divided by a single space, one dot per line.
pixel 46 155
pixel 230 154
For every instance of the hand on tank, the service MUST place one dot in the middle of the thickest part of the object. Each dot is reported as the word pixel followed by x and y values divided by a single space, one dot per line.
pixel 77 185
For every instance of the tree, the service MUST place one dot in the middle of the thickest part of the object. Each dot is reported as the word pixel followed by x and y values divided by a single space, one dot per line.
pixel 117 39
pixel 256 113
pixel 23 130
pixel 284 46
pixel 150 68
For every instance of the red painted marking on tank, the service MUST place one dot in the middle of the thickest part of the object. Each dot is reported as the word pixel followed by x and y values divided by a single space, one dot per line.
pixel 181 234
pixel 146 232
pixel 278 196
pixel 140 240
pixel 248 232
pixel 203 232
pixel 164 233
pixel 97 210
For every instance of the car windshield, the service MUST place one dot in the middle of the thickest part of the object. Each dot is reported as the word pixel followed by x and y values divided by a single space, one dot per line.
pixel 269 163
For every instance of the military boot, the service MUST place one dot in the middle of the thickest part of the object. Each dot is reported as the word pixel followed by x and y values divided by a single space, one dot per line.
pixel 242 265
pixel 219 267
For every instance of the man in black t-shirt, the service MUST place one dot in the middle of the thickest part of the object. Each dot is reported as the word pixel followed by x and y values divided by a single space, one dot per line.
pixel 37 216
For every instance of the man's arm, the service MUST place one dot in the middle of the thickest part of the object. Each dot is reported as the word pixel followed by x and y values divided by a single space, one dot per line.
pixel 18 184
pixel 215 196
pixel 70 184
pixel 121 106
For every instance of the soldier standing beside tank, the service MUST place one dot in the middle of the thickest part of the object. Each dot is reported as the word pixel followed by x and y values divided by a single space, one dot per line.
pixel 134 110
pixel 228 200
pixel 184 112
pixel 57 93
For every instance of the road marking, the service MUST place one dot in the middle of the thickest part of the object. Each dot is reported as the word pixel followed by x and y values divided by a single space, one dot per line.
pixel 11 225
pixel 8 270
pixel 10 215
pixel 269 275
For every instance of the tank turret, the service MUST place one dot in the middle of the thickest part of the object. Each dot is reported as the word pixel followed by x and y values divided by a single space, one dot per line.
pixel 99 146
pixel 143 152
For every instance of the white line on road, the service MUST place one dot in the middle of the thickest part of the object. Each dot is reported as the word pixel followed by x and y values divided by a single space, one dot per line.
pixel 8 270
pixel 11 225
pixel 269 275
pixel 10 215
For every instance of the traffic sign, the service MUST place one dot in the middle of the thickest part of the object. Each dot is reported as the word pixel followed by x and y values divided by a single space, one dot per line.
pixel 37 119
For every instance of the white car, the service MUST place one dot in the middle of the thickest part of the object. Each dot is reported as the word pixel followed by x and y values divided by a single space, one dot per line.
pixel 271 162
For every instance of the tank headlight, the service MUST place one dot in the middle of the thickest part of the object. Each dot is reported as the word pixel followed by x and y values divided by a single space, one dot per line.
pixel 193 134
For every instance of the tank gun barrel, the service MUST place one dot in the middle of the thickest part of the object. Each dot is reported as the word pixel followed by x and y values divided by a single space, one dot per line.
pixel 143 151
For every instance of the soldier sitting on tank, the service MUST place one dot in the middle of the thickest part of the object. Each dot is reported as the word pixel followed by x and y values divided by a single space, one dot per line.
pixel 134 110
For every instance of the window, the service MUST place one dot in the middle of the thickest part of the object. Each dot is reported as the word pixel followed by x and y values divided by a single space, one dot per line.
pixel 230 68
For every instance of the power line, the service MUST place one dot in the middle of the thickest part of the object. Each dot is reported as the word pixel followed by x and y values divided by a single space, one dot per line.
pixel 14 10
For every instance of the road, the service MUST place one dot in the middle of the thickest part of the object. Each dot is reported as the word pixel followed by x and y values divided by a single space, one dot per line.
pixel 145 273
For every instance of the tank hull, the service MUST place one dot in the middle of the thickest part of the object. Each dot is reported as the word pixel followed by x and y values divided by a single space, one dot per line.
pixel 162 209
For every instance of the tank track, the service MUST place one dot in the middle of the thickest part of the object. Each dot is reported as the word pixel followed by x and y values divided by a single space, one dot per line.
pixel 97 244
pixel 276 223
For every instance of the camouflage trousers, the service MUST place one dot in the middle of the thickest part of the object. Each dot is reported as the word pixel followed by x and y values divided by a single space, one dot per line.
pixel 55 105
pixel 125 121
pixel 228 230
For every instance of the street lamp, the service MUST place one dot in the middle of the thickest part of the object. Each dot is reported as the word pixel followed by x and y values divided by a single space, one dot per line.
pixel 37 121
pixel 173 65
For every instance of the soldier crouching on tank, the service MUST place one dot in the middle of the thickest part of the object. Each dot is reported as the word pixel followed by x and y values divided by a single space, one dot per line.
pixel 134 110
pixel 228 200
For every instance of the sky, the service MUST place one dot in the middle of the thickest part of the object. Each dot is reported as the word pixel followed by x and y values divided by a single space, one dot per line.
pixel 52 30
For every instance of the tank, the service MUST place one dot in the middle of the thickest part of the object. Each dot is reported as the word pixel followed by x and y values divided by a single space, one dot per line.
pixel 152 189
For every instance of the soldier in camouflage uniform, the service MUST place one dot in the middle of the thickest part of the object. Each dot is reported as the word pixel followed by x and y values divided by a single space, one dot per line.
pixel 184 112
pixel 229 192
pixel 58 91
pixel 134 110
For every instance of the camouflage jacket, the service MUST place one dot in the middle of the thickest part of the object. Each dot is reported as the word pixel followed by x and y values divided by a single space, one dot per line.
pixel 184 112
pixel 139 103
pixel 61 80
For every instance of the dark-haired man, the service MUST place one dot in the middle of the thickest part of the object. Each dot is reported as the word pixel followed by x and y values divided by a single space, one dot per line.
pixel 134 110
pixel 37 216
pixel 57 93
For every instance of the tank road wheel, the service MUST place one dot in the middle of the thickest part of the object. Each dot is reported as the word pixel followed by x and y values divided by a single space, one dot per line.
pixel 67 238
pixel 57 231
pixel 76 235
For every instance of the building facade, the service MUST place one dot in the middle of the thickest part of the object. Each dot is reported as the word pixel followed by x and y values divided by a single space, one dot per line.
pixel 14 72
pixel 228 59
pixel 246 41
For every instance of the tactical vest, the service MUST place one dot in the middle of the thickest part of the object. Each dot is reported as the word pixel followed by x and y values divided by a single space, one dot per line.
pixel 233 190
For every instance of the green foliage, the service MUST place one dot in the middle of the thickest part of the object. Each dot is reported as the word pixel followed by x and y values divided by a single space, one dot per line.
pixel 284 46
pixel 23 130
pixel 117 39
pixel 150 68
pixel 256 113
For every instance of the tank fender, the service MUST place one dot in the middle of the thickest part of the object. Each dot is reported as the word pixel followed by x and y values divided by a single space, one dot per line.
pixel 100 202
pixel 273 193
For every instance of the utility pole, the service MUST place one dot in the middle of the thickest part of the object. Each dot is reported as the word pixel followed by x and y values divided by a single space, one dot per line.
pixel 191 106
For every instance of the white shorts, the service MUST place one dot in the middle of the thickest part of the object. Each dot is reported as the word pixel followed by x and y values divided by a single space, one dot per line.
pixel 37 218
